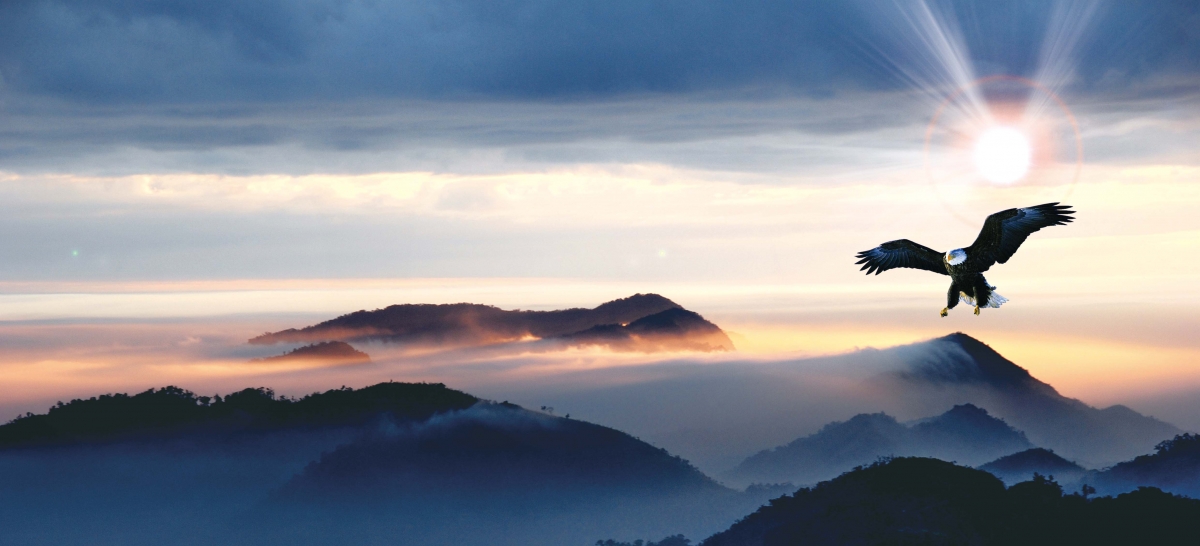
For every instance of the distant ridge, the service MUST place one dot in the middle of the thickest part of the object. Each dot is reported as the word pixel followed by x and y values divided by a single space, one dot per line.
pixel 639 322
pixel 495 449
pixel 965 433
pixel 673 329
pixel 325 352
pixel 171 411
pixel 959 368
pixel 1174 466
pixel 414 463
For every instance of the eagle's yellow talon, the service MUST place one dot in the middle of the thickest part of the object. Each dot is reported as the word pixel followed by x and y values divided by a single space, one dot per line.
pixel 945 311
pixel 976 309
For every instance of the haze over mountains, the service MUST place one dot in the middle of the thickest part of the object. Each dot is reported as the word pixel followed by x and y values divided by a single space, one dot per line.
pixel 416 461
pixel 504 475
pixel 969 370
pixel 1019 467
pixel 422 463
pixel 642 322
pixel 1174 466
pixel 425 464
pixel 323 352
pixel 717 414
pixel 964 434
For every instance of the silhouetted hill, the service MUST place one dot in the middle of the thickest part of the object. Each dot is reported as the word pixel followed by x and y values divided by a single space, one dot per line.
pixel 626 324
pixel 172 410
pixel 670 330
pixel 965 433
pixel 495 449
pixel 958 368
pixel 325 352
pixel 927 501
pixel 1174 467
pixel 1022 466
pixel 469 323
pixel 500 463
pixel 394 462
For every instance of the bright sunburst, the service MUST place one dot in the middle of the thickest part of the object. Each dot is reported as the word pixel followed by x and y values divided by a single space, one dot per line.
pixel 1002 155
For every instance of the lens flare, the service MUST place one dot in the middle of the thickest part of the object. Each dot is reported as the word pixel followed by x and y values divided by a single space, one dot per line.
pixel 1002 155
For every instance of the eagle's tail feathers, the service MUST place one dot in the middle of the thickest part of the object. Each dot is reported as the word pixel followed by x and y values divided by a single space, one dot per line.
pixel 994 301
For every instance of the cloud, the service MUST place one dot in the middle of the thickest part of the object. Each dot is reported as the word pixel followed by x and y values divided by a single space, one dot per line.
pixel 304 86
pixel 125 51
pixel 174 51
pixel 712 132
pixel 586 222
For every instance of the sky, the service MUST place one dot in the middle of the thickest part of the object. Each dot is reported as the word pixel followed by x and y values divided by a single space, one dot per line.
pixel 176 177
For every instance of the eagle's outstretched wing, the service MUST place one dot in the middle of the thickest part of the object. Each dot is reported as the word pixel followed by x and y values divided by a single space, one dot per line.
pixel 901 253
pixel 1003 232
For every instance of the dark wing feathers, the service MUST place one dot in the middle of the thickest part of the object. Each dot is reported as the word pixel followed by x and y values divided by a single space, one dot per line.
pixel 901 253
pixel 1003 232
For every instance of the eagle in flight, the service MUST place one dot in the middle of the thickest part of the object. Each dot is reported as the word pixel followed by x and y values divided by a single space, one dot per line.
pixel 1001 236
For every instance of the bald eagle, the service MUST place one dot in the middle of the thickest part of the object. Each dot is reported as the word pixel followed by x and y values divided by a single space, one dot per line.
pixel 999 239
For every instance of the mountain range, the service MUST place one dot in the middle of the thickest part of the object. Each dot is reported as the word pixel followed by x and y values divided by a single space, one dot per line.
pixel 1174 466
pixel 419 461
pixel 642 322
pixel 961 369
pixel 426 464
pixel 720 413
pixel 965 433
pixel 957 367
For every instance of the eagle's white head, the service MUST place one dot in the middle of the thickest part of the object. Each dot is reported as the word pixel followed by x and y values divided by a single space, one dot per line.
pixel 956 256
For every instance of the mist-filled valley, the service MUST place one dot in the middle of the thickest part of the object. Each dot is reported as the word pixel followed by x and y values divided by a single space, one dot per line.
pixel 673 449
pixel 392 463
pixel 717 414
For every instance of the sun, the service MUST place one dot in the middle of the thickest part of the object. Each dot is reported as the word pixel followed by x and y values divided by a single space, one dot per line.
pixel 1002 155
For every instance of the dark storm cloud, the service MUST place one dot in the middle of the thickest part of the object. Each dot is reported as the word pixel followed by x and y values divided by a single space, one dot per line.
pixel 271 50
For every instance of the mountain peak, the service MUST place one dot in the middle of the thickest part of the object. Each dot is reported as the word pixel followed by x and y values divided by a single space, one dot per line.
pixel 327 352
pixel 1039 458
pixel 641 301
pixel 957 367
pixel 1023 465
pixel 968 360
pixel 673 329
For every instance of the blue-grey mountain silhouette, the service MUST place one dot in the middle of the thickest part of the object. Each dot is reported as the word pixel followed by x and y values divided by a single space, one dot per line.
pixel 1174 466
pixel 1022 466
pixel 965 433
pixel 500 463
pixel 169 466
pixel 958 369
